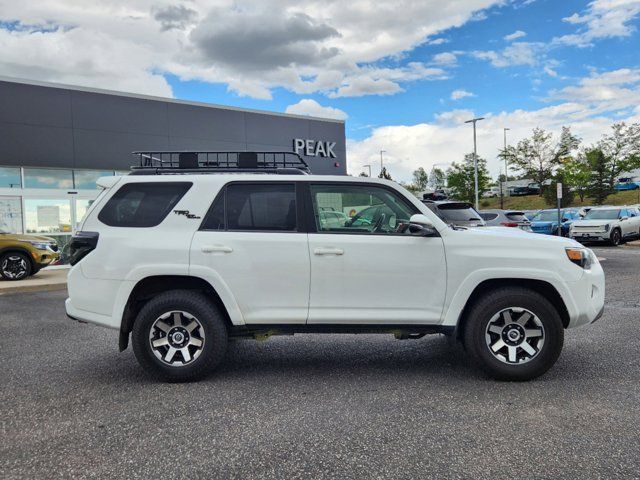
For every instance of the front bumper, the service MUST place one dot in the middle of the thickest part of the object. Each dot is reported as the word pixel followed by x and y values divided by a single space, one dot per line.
pixel 587 297
pixel 43 258
pixel 590 236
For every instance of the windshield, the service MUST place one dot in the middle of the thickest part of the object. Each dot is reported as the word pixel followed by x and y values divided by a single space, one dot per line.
pixel 549 216
pixel 610 214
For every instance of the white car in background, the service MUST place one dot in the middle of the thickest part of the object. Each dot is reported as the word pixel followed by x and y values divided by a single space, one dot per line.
pixel 607 224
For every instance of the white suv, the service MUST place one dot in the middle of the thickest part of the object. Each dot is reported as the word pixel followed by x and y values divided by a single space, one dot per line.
pixel 180 260
pixel 608 224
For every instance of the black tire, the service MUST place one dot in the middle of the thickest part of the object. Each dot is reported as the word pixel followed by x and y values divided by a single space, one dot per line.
pixel 481 314
pixel 616 237
pixel 15 266
pixel 214 333
pixel 34 271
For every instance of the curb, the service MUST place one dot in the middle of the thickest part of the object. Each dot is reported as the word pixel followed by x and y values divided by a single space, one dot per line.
pixel 33 288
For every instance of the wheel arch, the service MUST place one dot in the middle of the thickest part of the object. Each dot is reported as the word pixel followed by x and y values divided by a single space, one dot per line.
pixel 149 287
pixel 544 288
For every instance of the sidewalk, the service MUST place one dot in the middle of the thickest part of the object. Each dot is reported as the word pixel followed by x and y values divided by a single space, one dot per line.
pixel 44 281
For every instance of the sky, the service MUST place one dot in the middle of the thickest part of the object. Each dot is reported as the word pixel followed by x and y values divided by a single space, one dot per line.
pixel 404 75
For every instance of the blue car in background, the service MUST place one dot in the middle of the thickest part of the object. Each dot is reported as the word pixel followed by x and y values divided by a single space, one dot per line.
pixel 546 221
pixel 627 183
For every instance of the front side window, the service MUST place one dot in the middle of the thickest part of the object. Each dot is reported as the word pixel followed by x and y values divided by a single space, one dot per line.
pixel 261 207
pixel 344 208
pixel 142 204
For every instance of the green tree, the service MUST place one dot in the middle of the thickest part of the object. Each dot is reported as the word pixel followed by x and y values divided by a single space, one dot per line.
pixel 460 178
pixel 420 179
pixel 621 148
pixel 385 174
pixel 550 194
pixel 437 179
pixel 600 167
pixel 539 156
pixel 577 174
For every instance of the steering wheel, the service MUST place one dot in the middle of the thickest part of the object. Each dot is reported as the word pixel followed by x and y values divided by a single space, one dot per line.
pixel 377 227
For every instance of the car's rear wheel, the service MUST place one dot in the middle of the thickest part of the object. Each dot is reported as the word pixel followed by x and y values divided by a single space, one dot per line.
pixel 616 237
pixel 514 334
pixel 179 336
pixel 15 266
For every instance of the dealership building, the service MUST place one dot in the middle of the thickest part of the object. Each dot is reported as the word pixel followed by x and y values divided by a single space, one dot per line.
pixel 56 140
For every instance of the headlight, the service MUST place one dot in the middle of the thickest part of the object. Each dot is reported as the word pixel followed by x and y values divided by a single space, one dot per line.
pixel 39 245
pixel 580 256
pixel 606 227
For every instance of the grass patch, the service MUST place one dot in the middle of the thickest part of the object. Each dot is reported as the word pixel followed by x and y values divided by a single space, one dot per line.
pixel 535 202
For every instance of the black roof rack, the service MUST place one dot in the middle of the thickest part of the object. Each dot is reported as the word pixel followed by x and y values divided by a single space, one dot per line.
pixel 168 162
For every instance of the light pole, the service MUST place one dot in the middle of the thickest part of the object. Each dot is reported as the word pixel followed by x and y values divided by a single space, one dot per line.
pixel 475 156
pixel 369 167
pixel 381 152
pixel 506 171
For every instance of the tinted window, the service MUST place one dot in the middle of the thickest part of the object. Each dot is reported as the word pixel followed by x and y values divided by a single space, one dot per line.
pixel 142 204
pixel 264 207
pixel 457 212
pixel 516 216
pixel 360 209
pixel 215 217
pixel 609 214
pixel 488 216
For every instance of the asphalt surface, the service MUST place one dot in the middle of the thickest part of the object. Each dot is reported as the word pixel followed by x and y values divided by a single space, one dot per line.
pixel 319 406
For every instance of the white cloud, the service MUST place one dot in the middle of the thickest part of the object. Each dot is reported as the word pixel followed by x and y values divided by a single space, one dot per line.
pixel 252 46
pixel 602 19
pixel 514 36
pixel 589 108
pixel 308 106
pixel 518 53
pixel 458 94
pixel 445 58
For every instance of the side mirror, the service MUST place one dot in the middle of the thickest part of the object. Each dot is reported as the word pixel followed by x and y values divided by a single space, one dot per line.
pixel 624 217
pixel 421 226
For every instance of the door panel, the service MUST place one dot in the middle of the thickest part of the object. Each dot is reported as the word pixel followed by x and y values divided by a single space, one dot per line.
pixel 369 269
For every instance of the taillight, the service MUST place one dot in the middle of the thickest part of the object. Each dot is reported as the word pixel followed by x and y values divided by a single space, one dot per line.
pixel 509 224
pixel 82 243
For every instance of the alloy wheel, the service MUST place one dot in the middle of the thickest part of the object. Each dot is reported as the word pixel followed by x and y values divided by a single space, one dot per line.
pixel 14 267
pixel 177 338
pixel 515 335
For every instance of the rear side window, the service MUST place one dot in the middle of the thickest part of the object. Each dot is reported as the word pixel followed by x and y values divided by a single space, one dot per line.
pixel 254 207
pixel 142 204
pixel 516 216
pixel 488 216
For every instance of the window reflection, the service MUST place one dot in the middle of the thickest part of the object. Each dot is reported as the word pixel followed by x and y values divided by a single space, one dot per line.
pixel 86 179
pixel 10 177
pixel 47 216
pixel 47 178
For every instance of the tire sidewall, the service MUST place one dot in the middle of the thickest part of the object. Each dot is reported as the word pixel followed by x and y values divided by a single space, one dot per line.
pixel 614 242
pixel 532 301
pixel 215 334
pixel 20 254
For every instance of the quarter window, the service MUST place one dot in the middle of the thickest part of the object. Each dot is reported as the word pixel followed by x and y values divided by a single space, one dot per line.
pixel 142 204
pixel 360 209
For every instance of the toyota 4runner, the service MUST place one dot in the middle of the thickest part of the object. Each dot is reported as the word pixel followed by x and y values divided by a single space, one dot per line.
pixel 181 255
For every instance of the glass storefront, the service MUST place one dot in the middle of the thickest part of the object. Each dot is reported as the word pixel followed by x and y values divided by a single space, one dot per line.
pixel 51 202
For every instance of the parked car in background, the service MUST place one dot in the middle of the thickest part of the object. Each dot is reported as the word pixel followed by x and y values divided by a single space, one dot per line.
pixel 24 255
pixel 332 218
pixel 493 192
pixel 546 221
pixel 435 195
pixel 627 183
pixel 607 224
pixel 461 214
pixel 506 218
pixel 529 189
pixel 530 213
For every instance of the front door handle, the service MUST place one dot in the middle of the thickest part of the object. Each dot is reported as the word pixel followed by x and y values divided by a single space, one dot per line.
pixel 216 249
pixel 328 251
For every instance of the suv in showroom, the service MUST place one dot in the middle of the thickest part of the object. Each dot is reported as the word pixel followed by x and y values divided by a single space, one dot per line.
pixel 24 255
pixel 182 255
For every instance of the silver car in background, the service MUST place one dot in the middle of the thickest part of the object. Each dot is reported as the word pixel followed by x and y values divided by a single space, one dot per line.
pixel 506 218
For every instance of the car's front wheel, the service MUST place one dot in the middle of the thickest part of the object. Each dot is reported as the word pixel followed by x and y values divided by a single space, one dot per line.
pixel 179 336
pixel 616 237
pixel 514 333
pixel 15 266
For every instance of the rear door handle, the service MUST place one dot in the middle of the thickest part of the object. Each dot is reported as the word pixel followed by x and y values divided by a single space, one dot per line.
pixel 216 249
pixel 328 251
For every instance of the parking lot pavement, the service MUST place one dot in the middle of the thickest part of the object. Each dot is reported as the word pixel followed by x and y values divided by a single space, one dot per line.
pixel 319 406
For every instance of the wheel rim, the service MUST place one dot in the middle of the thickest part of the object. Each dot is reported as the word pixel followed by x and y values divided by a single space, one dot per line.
pixel 515 335
pixel 616 237
pixel 14 267
pixel 177 338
